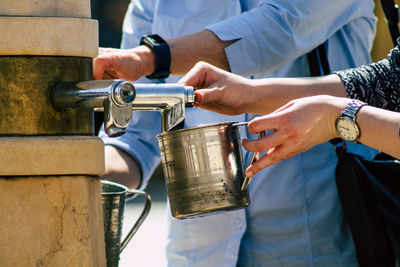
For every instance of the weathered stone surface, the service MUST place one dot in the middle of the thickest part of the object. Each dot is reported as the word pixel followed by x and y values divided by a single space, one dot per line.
pixel 49 36
pixel 51 221
pixel 51 155
pixel 25 103
pixel 43 8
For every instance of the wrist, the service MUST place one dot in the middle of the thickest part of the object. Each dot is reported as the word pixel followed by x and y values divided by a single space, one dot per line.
pixel 339 104
pixel 270 90
pixel 147 59
pixel 346 124
pixel 253 94
pixel 162 56
pixel 330 111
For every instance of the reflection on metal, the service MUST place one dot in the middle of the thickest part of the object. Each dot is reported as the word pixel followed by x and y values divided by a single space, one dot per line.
pixel 114 96
pixel 169 99
pixel 117 98
pixel 114 196
pixel 203 169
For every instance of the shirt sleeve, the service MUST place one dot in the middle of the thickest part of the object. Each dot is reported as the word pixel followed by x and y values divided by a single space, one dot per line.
pixel 277 32
pixel 138 22
pixel 376 84
pixel 140 141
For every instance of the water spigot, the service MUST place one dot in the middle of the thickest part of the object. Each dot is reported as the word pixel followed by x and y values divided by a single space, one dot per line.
pixel 115 97
pixel 169 99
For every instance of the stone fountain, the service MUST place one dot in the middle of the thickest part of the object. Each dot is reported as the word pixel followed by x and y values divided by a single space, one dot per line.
pixel 50 161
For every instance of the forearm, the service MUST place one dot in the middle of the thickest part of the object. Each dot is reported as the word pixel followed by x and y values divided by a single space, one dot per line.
pixel 270 94
pixel 379 129
pixel 187 50
pixel 376 83
pixel 121 168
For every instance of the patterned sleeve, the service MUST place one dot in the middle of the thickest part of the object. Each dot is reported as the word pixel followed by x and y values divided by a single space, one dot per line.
pixel 377 84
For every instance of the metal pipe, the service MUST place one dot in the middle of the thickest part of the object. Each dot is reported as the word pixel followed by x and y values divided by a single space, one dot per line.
pixel 92 94
pixel 169 99
pixel 118 98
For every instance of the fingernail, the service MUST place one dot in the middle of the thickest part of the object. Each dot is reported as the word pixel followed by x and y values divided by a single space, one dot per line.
pixel 249 174
pixel 198 97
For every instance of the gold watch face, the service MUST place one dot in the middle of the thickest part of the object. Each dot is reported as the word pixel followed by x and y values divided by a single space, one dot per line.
pixel 348 129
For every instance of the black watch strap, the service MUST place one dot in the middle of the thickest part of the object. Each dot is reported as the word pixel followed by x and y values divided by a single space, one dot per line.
pixel 162 53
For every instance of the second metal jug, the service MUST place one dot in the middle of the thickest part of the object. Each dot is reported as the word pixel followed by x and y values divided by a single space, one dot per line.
pixel 114 196
pixel 203 168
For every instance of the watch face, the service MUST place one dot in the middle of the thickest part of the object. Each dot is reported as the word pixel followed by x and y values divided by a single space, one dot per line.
pixel 348 129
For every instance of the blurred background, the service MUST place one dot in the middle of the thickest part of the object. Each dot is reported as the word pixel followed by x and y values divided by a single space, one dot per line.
pixel 147 247
pixel 110 15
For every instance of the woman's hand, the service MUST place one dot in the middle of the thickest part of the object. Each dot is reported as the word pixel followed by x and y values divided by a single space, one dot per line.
pixel 218 90
pixel 297 126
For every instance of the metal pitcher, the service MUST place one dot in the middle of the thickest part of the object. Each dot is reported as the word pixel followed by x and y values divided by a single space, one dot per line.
pixel 203 168
pixel 114 196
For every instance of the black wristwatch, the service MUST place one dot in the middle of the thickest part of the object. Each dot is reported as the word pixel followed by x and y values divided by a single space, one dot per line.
pixel 162 53
pixel 347 125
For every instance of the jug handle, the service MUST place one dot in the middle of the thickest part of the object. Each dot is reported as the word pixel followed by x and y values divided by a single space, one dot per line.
pixel 255 157
pixel 142 217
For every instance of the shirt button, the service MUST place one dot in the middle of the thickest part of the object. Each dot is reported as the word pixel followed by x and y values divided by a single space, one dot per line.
pixel 238 223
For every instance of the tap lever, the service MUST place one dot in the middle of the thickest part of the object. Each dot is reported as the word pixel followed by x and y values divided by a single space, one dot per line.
pixel 117 98
pixel 169 99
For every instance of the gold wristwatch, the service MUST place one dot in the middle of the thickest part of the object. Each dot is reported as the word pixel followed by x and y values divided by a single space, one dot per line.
pixel 346 124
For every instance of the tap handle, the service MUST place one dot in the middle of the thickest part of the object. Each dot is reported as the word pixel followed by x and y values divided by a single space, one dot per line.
pixel 190 97
pixel 118 108
pixel 116 118
pixel 114 96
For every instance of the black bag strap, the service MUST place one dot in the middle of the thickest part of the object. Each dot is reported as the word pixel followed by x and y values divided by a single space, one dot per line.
pixel 317 58
pixel 391 12
pixel 374 246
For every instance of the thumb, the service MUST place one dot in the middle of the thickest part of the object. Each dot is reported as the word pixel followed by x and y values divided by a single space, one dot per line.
pixel 209 96
pixel 199 96
pixel 100 65
pixel 195 77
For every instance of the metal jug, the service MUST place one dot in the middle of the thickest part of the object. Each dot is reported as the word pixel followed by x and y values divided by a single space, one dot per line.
pixel 114 196
pixel 203 168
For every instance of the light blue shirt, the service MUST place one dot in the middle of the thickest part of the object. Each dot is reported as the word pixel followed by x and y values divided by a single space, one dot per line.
pixel 295 217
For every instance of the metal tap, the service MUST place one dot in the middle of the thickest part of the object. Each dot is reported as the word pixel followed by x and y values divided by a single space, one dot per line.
pixel 169 99
pixel 118 98
pixel 113 96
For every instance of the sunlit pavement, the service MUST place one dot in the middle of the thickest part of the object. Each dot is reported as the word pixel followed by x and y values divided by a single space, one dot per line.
pixel 147 247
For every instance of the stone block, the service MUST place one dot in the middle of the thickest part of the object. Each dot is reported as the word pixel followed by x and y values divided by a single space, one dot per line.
pixel 46 8
pixel 25 104
pixel 51 221
pixel 51 155
pixel 49 36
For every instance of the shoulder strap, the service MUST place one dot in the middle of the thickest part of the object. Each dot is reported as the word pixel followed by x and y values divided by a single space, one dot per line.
pixel 317 58
pixel 392 18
